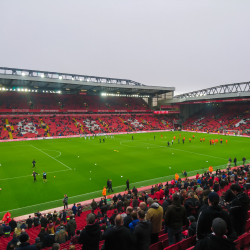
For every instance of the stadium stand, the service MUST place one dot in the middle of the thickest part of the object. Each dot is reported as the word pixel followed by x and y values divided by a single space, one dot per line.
pixel 214 119
pixel 231 176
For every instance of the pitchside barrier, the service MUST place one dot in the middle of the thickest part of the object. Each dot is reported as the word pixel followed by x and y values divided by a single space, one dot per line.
pixel 119 133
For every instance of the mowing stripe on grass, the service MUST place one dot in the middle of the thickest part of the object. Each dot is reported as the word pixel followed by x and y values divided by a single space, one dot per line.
pixel 170 148
pixel 31 175
pixel 51 157
pixel 99 191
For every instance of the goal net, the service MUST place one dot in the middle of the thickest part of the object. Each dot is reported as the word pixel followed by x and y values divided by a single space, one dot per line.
pixel 231 132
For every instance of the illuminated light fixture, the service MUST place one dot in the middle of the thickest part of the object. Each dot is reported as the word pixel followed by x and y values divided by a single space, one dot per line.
pixel 83 90
pixel 67 89
pixel 88 80
pixel 23 74
pixel 59 92
pixel 43 90
pixel 32 90
pixel 80 79
pixel 25 90
pixel 42 75
pixel 72 78
pixel 46 91
pixel 36 87
pixel 36 91
pixel 118 92
pixel 60 77
pixel 94 90
pixel 29 90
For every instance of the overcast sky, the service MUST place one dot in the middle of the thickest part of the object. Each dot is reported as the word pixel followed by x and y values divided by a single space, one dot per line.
pixel 187 44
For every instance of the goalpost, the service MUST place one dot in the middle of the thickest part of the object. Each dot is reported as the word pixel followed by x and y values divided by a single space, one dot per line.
pixel 231 132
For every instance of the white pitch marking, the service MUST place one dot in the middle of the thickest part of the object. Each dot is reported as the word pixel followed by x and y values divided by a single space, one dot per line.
pixel 51 157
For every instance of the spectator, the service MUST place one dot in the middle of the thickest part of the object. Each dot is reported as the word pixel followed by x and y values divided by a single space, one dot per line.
pixel 74 209
pixel 23 226
pixel 79 210
pixel 61 235
pixel 135 202
pixel 36 221
pixel 93 204
pixel 25 245
pixel 71 226
pixel 154 215
pixel 183 196
pixel 7 230
pixel 152 190
pixel 13 242
pixel 119 205
pixel 44 222
pixel 74 239
pixel 192 226
pixel 142 231
pixel 38 241
pixel 55 214
pixel 112 218
pixel 126 204
pixel 12 224
pixel 216 186
pixel 91 235
pixel 51 226
pixel 143 206
pixel 229 196
pixel 205 204
pixel 29 222
pixel 217 240
pixel 119 237
pixel 42 234
pixel 238 211
pixel 104 209
pixel 49 239
pixel 134 222
pixel 192 205
pixel 1 229
pixel 61 225
pixel 207 216
pixel 175 218
pixel 64 216
pixel 55 246
pixel 128 218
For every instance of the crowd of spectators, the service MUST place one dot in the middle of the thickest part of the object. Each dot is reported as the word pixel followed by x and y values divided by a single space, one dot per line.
pixel 184 208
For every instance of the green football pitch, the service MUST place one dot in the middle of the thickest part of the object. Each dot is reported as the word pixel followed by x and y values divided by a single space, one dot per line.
pixel 81 167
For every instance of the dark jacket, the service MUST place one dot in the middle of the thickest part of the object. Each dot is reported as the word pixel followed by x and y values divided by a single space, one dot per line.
pixel 216 187
pixel 44 222
pixel 165 204
pixel 119 205
pixel 192 206
pixel 213 242
pixel 90 237
pixel 71 227
pixel 204 206
pixel 13 225
pixel 94 205
pixel 166 192
pixel 152 191
pixel 36 221
pixel 12 242
pixel 119 237
pixel 29 222
pixel 229 196
pixel 175 216
pixel 42 235
pixel 127 220
pixel 135 203
pixel 142 231
pixel 104 210
pixel 126 204
pixel 206 218
pixel 26 246
pixel 238 212
pixel 49 240
pixel 192 229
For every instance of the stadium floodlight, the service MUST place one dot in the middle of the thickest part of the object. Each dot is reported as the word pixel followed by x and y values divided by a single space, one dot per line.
pixel 46 91
pixel 23 74
pixel 25 90
pixel 42 75
pixel 35 90
pixel 72 78
pixel 60 77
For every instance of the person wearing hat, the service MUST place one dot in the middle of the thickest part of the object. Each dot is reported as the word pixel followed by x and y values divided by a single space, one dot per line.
pixel 206 217
pixel 218 239
pixel 238 209
pixel 24 239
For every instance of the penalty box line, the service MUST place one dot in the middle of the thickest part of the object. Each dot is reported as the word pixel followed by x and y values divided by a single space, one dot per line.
pixel 51 157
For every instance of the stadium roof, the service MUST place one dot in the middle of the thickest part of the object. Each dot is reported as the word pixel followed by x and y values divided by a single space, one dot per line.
pixel 73 83
pixel 234 90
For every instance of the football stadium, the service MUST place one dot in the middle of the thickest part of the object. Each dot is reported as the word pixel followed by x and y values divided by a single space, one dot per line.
pixel 88 137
